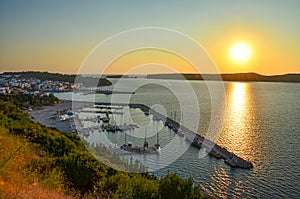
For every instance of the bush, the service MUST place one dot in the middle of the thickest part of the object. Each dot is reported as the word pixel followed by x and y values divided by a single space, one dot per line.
pixel 173 186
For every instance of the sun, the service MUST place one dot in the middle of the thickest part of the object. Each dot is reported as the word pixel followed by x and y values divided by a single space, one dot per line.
pixel 240 52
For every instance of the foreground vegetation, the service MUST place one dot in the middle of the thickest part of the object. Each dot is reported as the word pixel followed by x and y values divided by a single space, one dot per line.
pixel 40 162
pixel 30 100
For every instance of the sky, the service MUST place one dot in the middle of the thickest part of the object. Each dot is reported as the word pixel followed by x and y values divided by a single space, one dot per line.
pixel 58 35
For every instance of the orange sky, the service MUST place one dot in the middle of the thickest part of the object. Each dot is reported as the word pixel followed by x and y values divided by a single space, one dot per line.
pixel 57 36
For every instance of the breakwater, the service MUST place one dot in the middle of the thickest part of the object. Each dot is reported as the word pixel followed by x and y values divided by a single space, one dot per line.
pixel 195 139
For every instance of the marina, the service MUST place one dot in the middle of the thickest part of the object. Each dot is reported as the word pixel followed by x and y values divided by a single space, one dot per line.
pixel 247 133
pixel 189 136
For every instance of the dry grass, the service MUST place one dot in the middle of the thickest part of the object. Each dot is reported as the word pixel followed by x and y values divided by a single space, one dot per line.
pixel 30 191
pixel 15 180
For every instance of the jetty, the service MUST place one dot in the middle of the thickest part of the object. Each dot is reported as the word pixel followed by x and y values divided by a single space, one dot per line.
pixel 197 140
pixel 194 138
pixel 105 92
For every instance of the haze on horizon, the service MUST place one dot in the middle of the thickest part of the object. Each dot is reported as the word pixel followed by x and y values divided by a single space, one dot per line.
pixel 56 36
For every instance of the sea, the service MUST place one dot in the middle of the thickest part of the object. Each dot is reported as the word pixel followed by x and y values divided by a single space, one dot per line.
pixel 258 121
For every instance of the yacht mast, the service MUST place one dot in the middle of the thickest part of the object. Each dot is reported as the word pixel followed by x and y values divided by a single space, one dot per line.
pixel 157 140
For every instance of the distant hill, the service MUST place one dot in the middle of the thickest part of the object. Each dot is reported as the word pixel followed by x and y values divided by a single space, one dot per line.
pixel 91 81
pixel 253 77
pixel 87 81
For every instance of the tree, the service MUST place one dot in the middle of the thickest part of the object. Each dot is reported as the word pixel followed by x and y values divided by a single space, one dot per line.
pixel 173 186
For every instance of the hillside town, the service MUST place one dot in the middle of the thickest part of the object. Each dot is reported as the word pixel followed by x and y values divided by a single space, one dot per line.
pixel 15 83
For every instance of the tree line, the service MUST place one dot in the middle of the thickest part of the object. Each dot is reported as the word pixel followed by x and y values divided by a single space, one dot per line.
pixel 71 78
pixel 30 100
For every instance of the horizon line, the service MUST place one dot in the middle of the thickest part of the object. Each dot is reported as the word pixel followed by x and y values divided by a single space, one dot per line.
pixel 185 73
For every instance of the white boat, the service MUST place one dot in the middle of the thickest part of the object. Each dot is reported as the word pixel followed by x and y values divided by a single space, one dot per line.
pixel 157 148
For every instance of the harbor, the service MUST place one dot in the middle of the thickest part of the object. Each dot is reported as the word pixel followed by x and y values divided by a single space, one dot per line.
pixel 194 139
pixel 244 134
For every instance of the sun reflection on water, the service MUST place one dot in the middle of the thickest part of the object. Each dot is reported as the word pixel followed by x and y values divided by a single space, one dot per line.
pixel 236 136
pixel 238 95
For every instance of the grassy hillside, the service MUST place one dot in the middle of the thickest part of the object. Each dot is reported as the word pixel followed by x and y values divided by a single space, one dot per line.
pixel 30 100
pixel 40 162
pixel 16 179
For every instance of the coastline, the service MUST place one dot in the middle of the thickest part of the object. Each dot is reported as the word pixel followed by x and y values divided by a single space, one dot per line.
pixel 45 115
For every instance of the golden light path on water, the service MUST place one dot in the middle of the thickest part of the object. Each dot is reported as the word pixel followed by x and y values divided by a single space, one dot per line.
pixel 235 134
pixel 238 101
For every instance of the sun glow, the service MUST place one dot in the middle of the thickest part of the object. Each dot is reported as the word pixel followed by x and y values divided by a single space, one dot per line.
pixel 238 97
pixel 240 52
pixel 239 134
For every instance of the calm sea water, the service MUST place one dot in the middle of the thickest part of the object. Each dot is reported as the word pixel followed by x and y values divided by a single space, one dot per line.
pixel 261 124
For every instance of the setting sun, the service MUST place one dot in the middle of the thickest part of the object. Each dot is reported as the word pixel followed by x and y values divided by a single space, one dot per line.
pixel 240 52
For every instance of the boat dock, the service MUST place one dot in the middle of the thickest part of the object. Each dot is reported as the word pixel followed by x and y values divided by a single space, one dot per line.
pixel 195 139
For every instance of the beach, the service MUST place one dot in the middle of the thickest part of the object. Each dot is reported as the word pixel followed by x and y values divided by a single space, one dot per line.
pixel 47 115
